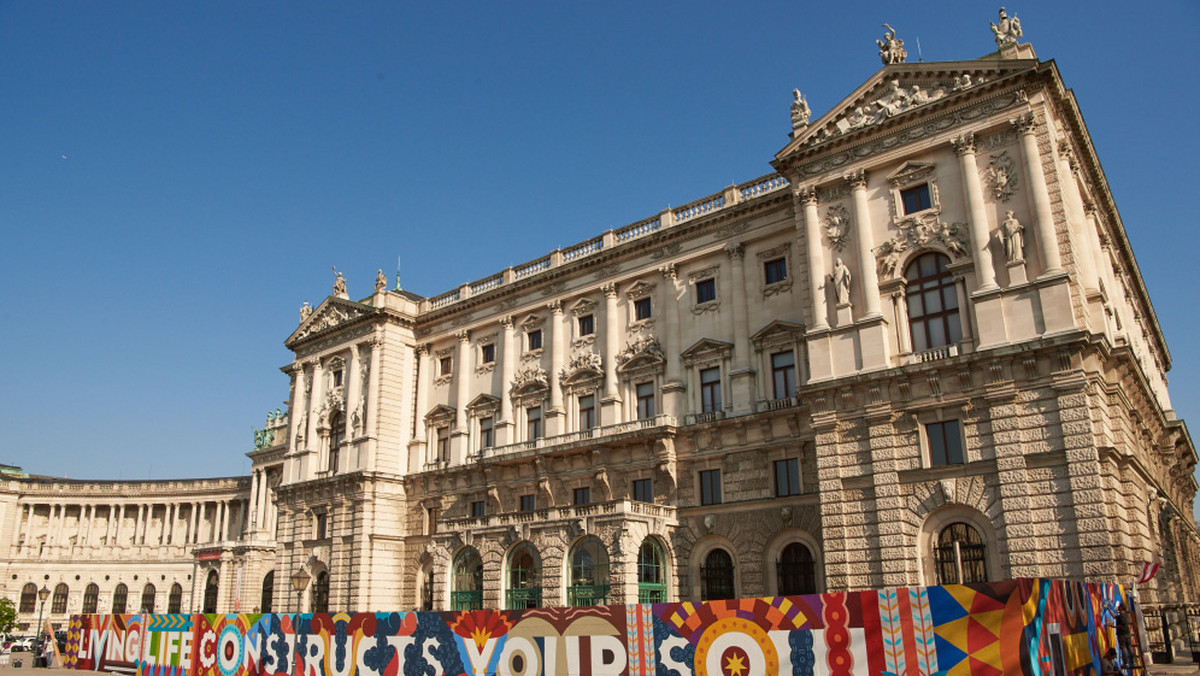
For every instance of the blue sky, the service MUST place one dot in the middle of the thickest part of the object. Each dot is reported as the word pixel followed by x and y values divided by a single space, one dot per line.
pixel 178 178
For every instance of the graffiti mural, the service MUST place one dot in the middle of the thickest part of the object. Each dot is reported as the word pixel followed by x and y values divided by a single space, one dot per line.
pixel 1030 626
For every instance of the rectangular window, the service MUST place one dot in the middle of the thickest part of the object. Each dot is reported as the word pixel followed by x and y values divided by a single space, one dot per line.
pixel 643 490
pixel 587 412
pixel 641 309
pixel 534 340
pixel 445 366
pixel 583 495
pixel 710 390
pixel 706 290
pixel 710 487
pixel 337 378
pixel 587 325
pixel 945 443
pixel 485 433
pixel 432 515
pixel 787 477
pixel 775 270
pixel 528 503
pixel 916 198
pixel 487 353
pixel 645 401
pixel 443 444
pixel 478 508
pixel 783 373
pixel 322 526
pixel 533 420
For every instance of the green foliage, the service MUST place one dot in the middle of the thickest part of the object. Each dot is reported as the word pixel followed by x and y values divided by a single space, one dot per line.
pixel 8 616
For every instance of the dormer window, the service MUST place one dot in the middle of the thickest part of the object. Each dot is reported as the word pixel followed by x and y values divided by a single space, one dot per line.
pixel 916 198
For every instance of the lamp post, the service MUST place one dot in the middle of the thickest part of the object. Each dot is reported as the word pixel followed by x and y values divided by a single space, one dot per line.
pixel 43 594
pixel 299 582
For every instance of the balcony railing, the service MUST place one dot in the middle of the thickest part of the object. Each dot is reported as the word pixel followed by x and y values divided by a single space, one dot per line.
pixel 652 592
pixel 529 597
pixel 934 354
pixel 662 420
pixel 587 595
pixel 467 600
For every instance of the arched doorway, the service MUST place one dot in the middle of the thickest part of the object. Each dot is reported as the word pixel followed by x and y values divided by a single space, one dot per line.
pixel 716 576
pixel 320 593
pixel 652 572
pixel 467 592
pixel 524 578
pixel 796 570
pixel 268 593
pixel 210 592
pixel 589 574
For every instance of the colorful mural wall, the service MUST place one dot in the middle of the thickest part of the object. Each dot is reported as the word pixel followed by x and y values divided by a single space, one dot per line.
pixel 1032 627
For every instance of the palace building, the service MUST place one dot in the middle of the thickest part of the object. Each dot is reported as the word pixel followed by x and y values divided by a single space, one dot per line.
pixel 919 351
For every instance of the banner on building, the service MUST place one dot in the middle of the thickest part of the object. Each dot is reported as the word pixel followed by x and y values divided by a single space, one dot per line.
pixel 1029 626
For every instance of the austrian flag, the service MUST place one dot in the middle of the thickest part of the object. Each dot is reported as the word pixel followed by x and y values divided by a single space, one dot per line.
pixel 1148 571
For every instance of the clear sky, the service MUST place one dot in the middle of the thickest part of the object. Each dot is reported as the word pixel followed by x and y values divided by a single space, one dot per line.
pixel 177 178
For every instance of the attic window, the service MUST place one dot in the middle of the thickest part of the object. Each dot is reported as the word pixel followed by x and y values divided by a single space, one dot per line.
pixel 916 198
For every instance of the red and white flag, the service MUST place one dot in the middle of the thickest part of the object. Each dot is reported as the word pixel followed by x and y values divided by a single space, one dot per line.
pixel 1148 571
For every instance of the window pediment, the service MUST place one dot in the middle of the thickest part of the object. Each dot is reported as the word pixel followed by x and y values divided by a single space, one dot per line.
pixel 643 356
pixel 776 334
pixel 584 371
pixel 440 416
pixel 530 385
pixel 707 350
pixel 640 289
pixel 483 406
pixel 584 306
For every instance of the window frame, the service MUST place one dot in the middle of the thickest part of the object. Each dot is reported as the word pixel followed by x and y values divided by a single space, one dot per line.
pixel 922 193
pixel 706 290
pixel 487 432
pixel 791 477
pixel 581 495
pixel 917 290
pixel 646 406
pixel 775 270
pixel 533 423
pixel 585 325
pixel 710 389
pixel 478 509
pixel 442 438
pixel 587 414
pixel 710 487
pixel 642 489
pixel 787 371
pixel 938 432
pixel 643 309
pixel 528 502
pixel 487 353
pixel 533 340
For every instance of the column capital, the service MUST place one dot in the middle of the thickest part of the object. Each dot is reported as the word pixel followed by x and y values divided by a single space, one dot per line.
pixel 463 336
pixel 1023 124
pixel 507 321
pixel 610 290
pixel 555 307
pixel 806 195
pixel 857 179
pixel 668 272
pixel 423 349
pixel 735 251
pixel 964 144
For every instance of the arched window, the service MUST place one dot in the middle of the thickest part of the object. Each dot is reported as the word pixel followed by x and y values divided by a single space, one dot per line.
pixel 91 599
pixel 320 593
pixel 29 598
pixel 148 593
pixel 120 596
pixel 268 593
pixel 427 588
pixel 589 574
pixel 467 593
pixel 524 579
pixel 337 437
pixel 961 556
pixel 932 303
pixel 210 592
pixel 797 571
pixel 652 573
pixel 716 576
pixel 175 600
pixel 58 604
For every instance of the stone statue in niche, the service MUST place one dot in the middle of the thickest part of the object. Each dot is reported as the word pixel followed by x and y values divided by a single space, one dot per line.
pixel 841 282
pixel 1012 234
pixel 305 311
pixel 800 111
pixel 891 48
pixel 339 284
pixel 1007 31
pixel 380 281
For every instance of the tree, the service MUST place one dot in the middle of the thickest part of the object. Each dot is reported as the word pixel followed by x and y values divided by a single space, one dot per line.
pixel 8 616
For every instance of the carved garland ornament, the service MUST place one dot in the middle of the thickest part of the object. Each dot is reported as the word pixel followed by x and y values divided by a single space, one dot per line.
pixel 917 232
pixel 837 226
pixel 1002 175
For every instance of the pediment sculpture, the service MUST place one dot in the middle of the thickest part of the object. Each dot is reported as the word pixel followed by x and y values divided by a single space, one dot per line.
pixel 329 315
pixel 530 381
pixel 583 366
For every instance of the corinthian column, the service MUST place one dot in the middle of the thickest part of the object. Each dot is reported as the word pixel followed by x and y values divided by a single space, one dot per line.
pixel 1047 239
pixel 673 387
pixel 816 257
pixel 555 417
pixel 508 369
pixel 964 146
pixel 865 237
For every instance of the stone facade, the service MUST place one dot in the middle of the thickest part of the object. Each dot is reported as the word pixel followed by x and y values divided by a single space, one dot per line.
pixel 920 352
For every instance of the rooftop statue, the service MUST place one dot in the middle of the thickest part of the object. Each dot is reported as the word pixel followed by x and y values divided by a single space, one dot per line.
pixel 305 311
pixel 891 48
pixel 800 110
pixel 1007 31
pixel 381 281
pixel 339 284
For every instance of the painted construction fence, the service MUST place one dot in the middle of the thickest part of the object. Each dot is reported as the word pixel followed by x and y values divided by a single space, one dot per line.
pixel 1028 626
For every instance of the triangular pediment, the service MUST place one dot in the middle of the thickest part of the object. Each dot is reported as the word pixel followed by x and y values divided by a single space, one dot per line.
pixel 484 403
pixel 441 413
pixel 778 332
pixel 707 347
pixel 899 91
pixel 333 313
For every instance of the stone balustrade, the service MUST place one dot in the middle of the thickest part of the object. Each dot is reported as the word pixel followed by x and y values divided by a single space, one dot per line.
pixel 725 199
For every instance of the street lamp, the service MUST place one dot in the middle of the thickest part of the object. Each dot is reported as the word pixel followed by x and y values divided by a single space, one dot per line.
pixel 43 594
pixel 299 582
